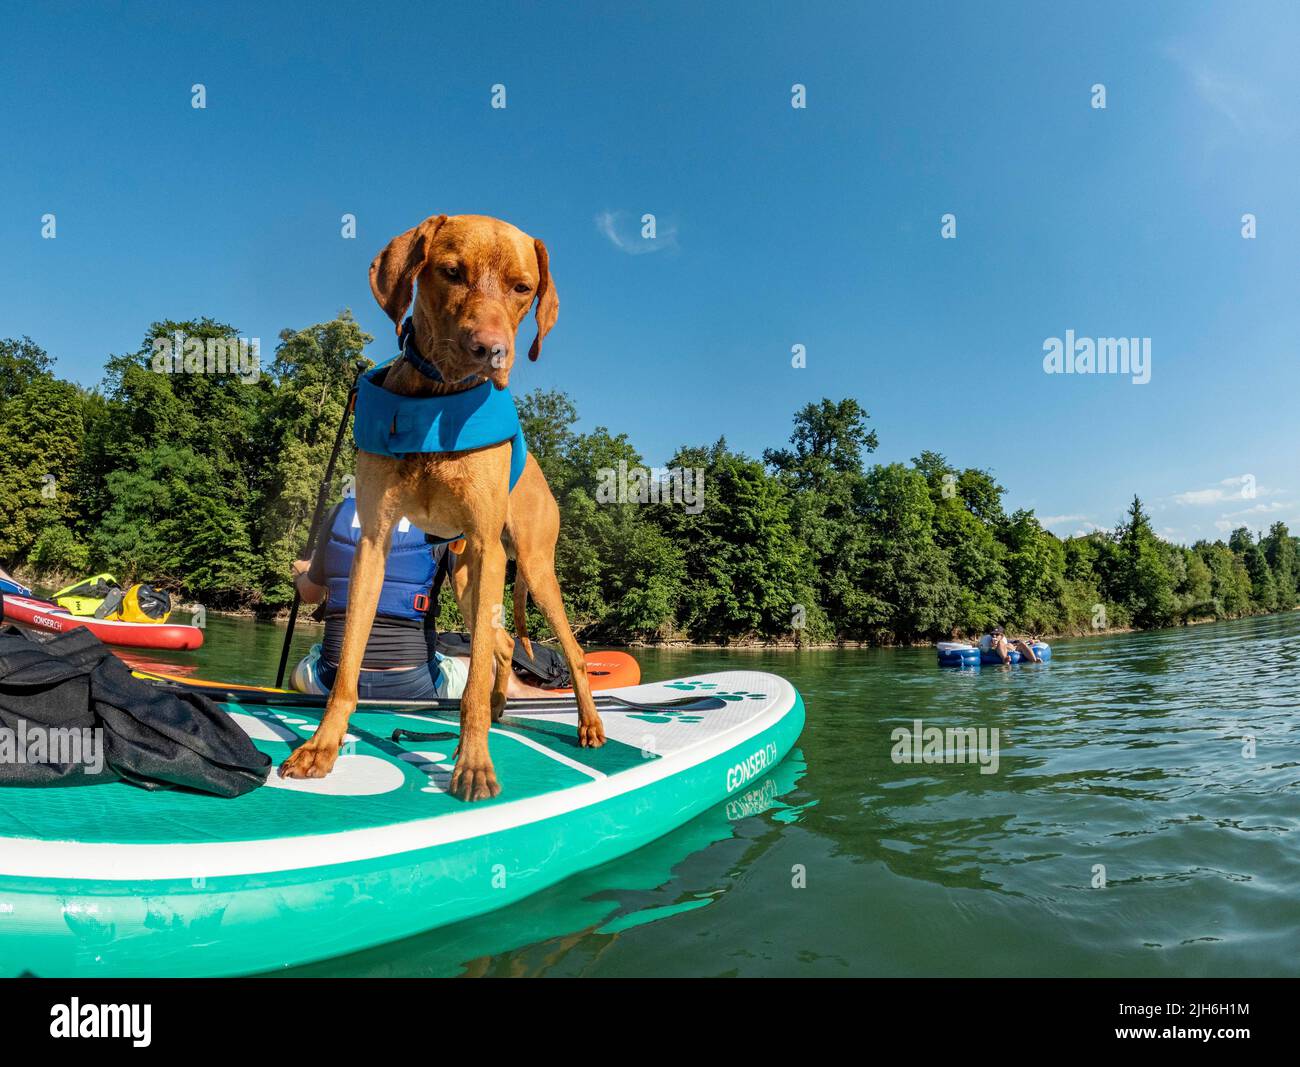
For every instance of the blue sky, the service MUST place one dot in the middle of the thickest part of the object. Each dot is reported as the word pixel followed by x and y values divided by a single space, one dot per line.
pixel 776 226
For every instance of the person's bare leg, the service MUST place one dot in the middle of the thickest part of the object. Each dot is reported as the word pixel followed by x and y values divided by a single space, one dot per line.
pixel 516 687
pixel 1027 651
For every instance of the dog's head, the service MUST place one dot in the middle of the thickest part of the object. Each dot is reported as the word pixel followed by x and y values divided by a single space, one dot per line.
pixel 473 279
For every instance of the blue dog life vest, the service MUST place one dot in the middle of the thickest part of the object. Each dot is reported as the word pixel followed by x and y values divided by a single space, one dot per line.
pixel 408 577
pixel 390 425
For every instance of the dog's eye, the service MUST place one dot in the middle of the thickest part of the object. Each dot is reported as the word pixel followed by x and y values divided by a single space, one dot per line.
pixel 452 273
pixel 523 287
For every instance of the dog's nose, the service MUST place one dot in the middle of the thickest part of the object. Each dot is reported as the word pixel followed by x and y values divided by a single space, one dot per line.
pixel 489 345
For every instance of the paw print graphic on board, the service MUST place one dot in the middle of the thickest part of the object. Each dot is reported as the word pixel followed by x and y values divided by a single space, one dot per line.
pixel 661 715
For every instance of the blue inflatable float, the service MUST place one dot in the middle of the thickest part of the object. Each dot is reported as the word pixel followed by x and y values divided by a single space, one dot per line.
pixel 8 585
pixel 961 654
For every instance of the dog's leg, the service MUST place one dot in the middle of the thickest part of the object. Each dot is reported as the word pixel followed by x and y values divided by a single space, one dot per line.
pixel 539 573
pixel 504 650
pixel 316 757
pixel 473 777
pixel 521 610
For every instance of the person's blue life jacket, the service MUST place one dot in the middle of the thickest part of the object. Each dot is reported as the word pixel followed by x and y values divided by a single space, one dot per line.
pixel 408 578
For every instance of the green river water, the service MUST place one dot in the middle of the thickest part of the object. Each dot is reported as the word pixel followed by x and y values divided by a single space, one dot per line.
pixel 1125 751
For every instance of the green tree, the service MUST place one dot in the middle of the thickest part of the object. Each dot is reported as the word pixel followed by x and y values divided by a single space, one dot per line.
pixel 1146 586
pixel 22 361
pixel 40 440
pixel 1035 565
pixel 829 438
pixel 982 496
pixel 1279 549
pixel 822 475
pixel 1229 582
pixel 1241 540
pixel 907 571
pixel 1263 586
pixel 974 554
pixel 548 418
pixel 59 551
pixel 743 560
pixel 623 575
pixel 1195 592
pixel 213 415
pixel 297 424
pixel 173 520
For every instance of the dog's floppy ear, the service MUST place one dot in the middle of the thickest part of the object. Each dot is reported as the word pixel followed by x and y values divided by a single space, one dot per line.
pixel 548 304
pixel 393 271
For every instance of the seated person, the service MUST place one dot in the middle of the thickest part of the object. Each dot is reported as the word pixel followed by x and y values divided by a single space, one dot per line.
pixel 996 642
pixel 399 662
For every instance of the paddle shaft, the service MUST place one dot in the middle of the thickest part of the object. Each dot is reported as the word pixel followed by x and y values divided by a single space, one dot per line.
pixel 264 698
pixel 314 532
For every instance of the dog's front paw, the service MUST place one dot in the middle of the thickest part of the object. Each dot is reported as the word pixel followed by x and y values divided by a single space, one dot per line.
pixel 591 733
pixel 474 779
pixel 312 759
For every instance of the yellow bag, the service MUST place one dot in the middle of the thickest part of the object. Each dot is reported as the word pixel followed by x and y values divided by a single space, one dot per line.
pixel 143 603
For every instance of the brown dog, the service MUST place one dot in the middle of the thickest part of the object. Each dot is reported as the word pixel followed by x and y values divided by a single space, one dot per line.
pixel 477 278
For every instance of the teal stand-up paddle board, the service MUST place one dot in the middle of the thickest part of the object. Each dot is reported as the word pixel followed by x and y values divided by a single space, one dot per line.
pixel 113 880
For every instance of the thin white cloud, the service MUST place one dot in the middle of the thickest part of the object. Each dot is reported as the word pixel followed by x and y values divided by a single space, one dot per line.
pixel 1249 108
pixel 1200 496
pixel 1083 525
pixel 628 238
pixel 1278 512
pixel 1238 487
pixel 1259 509
pixel 1237 102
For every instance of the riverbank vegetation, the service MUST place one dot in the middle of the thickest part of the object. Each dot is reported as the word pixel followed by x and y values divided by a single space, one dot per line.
pixel 205 483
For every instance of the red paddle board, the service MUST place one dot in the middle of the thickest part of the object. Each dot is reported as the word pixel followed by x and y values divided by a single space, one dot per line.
pixel 42 615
